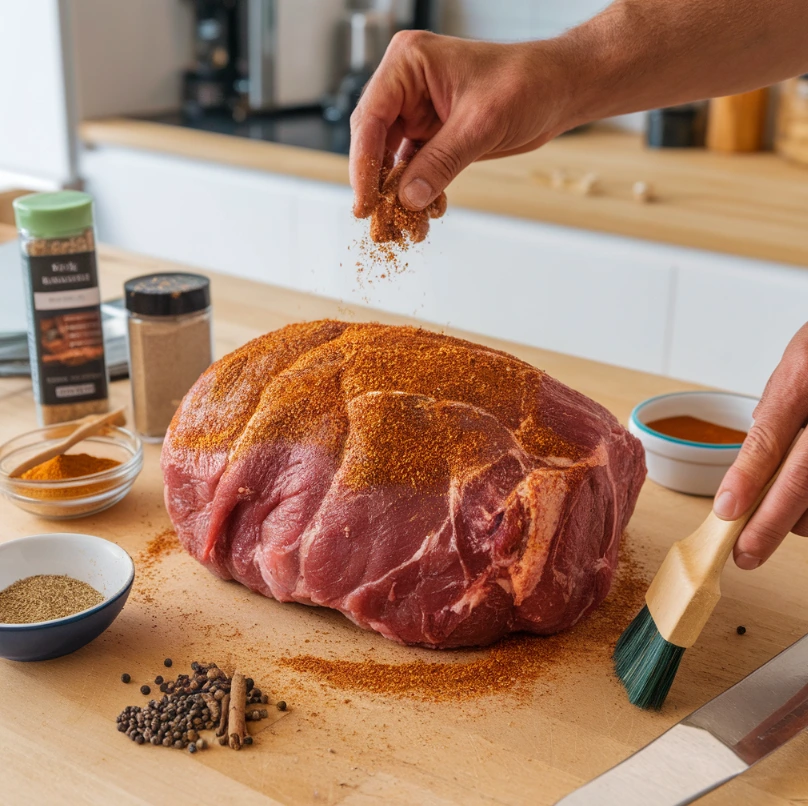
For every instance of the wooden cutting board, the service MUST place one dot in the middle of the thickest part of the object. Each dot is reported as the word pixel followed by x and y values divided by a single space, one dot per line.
pixel 339 746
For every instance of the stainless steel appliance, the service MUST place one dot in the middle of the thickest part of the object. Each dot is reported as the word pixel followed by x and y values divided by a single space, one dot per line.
pixel 262 55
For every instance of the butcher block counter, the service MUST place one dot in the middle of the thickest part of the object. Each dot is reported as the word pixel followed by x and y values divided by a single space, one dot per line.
pixel 753 205
pixel 522 745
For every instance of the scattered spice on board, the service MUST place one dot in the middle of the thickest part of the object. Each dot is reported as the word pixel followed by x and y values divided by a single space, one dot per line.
pixel 65 467
pixel 147 562
pixel 193 703
pixel 45 597
pixel 510 665
pixel 393 228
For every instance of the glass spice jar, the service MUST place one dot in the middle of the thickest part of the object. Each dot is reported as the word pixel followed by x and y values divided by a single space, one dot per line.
pixel 170 344
pixel 65 336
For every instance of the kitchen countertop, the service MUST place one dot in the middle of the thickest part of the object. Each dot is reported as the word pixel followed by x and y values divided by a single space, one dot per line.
pixel 753 205
pixel 57 727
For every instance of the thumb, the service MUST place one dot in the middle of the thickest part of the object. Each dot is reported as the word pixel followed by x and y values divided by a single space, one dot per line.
pixel 438 162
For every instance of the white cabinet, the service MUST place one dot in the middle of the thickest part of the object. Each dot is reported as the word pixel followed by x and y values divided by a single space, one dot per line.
pixel 215 217
pixel 733 318
pixel 698 316
pixel 38 125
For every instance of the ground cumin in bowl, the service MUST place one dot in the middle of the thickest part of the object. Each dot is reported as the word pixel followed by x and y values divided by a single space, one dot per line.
pixel 92 476
pixel 58 592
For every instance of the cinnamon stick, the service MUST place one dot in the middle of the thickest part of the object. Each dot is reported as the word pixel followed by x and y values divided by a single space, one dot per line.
pixel 237 725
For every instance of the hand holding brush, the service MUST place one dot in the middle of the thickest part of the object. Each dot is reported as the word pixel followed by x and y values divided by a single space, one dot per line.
pixel 679 602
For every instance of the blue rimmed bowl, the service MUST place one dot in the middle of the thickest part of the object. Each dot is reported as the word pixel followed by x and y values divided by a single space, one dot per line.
pixel 100 563
pixel 691 467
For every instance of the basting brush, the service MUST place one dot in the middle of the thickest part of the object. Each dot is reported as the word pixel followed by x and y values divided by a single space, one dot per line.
pixel 679 602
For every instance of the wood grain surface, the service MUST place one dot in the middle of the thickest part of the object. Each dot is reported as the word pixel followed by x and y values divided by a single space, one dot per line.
pixel 754 205
pixel 57 718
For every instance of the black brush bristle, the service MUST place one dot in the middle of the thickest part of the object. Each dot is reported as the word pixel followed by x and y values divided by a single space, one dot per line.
pixel 645 662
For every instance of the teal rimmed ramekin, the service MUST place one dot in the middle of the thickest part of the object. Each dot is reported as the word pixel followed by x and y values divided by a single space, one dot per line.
pixel 690 467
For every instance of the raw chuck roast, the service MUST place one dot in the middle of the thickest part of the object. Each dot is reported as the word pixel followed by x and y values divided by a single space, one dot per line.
pixel 437 491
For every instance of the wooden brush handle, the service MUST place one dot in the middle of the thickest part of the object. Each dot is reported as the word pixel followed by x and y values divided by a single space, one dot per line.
pixel 687 586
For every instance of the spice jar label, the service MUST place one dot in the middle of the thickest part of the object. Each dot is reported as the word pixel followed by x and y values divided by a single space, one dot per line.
pixel 66 335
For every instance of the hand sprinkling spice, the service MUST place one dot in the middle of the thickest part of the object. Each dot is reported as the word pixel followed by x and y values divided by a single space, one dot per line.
pixel 46 597
pixel 394 228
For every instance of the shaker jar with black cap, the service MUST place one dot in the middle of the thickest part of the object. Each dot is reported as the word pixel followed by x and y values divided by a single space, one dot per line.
pixel 169 344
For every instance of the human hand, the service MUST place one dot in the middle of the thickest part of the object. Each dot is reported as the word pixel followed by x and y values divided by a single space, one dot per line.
pixel 461 100
pixel 781 413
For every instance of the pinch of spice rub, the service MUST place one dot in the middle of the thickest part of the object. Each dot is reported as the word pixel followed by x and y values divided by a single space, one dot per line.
pixel 46 597
pixel 170 344
pixel 394 228
pixel 65 336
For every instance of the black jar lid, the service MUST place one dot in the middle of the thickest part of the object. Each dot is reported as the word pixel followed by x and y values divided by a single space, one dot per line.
pixel 171 294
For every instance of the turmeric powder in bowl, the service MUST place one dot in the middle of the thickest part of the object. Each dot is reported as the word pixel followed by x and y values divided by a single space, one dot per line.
pixel 95 475
pixel 69 466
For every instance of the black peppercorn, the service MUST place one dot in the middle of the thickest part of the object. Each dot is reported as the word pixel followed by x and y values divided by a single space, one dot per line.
pixel 145 690
pixel 125 678
pixel 158 681
pixel 248 740
pixel 281 706
pixel 192 748
pixel 741 630
pixel 168 662
pixel 249 683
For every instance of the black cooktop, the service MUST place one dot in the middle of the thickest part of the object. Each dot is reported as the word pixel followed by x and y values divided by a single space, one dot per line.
pixel 305 128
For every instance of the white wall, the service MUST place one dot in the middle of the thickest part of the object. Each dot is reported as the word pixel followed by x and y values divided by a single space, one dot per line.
pixel 130 54
pixel 36 128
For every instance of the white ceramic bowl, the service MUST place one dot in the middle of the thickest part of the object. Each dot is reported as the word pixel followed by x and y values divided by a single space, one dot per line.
pixel 98 562
pixel 690 467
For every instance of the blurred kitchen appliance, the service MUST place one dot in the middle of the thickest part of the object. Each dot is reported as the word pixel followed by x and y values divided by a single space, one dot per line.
pixel 681 126
pixel 365 36
pixel 261 55
pixel 791 139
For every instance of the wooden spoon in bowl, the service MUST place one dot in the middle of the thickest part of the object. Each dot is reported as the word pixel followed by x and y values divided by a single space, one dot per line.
pixel 86 427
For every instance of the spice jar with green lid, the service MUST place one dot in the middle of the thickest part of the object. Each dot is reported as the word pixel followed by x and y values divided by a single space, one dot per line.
pixel 65 335
pixel 169 344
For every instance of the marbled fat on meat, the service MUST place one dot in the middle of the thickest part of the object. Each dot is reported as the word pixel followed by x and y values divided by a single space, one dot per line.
pixel 436 491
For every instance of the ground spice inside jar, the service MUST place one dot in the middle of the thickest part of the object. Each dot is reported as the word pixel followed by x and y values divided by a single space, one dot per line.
pixel 169 344
pixel 45 597
pixel 68 368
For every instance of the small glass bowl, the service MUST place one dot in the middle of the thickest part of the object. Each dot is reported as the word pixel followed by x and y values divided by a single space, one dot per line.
pixel 71 498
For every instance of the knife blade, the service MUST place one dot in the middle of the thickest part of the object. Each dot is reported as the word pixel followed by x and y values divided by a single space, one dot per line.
pixel 720 740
